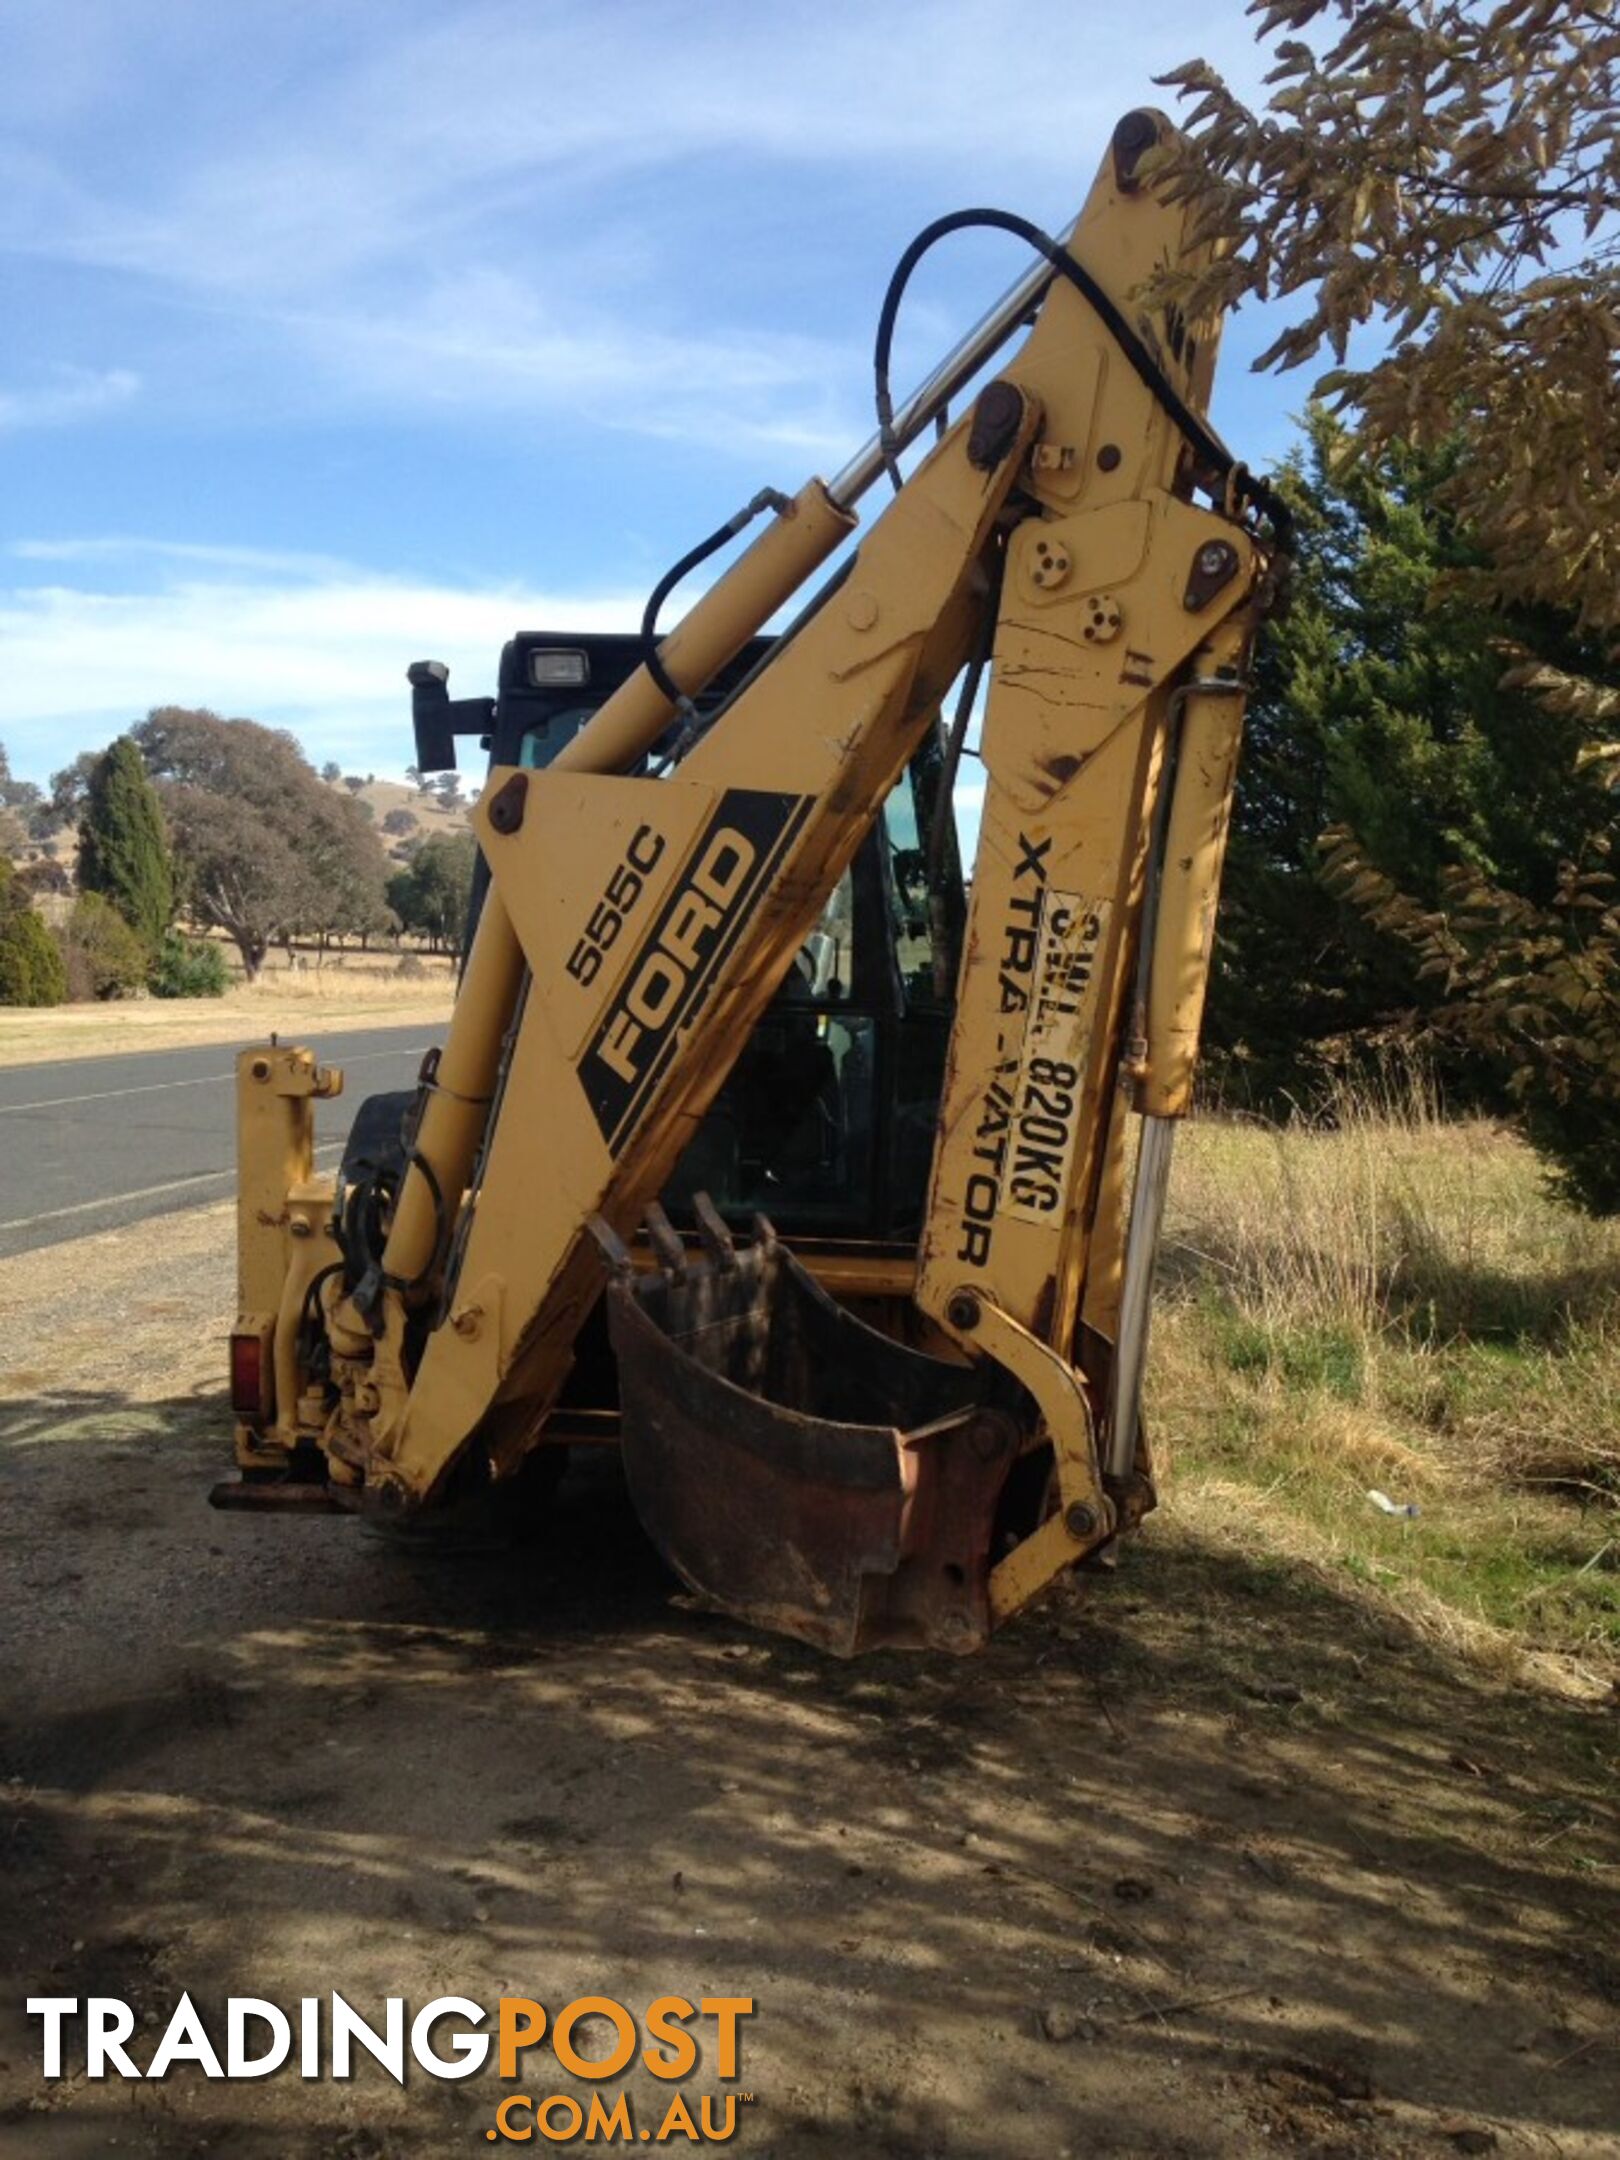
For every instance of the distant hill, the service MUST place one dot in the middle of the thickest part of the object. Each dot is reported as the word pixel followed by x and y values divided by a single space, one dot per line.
pixel 397 798
pixel 387 798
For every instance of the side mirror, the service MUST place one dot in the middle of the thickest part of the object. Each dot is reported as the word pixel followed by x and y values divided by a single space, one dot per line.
pixel 430 716
pixel 438 718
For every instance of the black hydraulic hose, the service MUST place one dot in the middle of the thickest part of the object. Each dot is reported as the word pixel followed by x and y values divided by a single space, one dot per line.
pixel 309 1308
pixel 441 1231
pixel 1213 453
pixel 766 499
pixel 700 723
pixel 361 1229
pixel 1208 446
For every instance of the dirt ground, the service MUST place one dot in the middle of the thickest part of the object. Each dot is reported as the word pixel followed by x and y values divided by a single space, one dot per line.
pixel 1200 1859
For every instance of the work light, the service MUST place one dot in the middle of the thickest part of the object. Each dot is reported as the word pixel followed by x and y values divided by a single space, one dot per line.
pixel 550 667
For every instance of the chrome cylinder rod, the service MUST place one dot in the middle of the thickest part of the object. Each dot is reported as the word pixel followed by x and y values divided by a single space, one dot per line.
pixel 1135 1305
pixel 958 367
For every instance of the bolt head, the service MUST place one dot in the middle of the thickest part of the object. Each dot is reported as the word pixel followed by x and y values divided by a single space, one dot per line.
pixel 963 1310
pixel 506 810
pixel 1078 1520
pixel 1213 559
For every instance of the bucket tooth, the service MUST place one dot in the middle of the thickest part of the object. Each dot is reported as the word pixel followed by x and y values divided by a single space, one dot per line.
pixel 716 1237
pixel 799 1469
pixel 610 1245
pixel 665 1241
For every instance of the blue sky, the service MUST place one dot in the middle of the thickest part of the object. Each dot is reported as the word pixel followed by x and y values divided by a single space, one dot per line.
pixel 343 332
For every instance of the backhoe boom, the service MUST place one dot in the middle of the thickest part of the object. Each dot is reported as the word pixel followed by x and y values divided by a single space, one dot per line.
pixel 918 1480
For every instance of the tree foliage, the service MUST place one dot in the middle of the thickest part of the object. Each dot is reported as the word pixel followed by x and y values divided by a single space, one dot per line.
pixel 70 788
pixel 1447 177
pixel 1451 173
pixel 43 875
pixel 264 850
pixel 31 971
pixel 431 894
pixel 102 954
pixel 189 968
pixel 1536 989
pixel 123 848
pixel 24 812
pixel 1380 705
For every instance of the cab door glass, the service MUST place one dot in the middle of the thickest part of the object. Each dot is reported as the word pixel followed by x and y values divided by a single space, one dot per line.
pixel 541 744
pixel 791 1132
pixel 823 968
pixel 924 883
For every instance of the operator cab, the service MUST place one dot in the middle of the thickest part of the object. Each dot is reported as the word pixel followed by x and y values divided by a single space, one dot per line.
pixel 826 1122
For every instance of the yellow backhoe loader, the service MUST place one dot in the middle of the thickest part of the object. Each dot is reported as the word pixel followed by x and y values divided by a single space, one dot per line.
pixel 760 1144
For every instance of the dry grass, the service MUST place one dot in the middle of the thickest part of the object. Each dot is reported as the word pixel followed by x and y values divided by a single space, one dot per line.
pixel 1388 1301
pixel 349 990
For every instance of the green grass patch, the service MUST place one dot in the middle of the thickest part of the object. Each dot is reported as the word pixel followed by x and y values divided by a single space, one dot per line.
pixel 1308 1357
pixel 1397 1304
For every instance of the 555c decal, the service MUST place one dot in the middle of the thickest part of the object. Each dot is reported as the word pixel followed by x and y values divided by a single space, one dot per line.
pixel 619 896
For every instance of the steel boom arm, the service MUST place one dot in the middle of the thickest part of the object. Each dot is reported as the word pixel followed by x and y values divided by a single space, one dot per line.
pixel 655 918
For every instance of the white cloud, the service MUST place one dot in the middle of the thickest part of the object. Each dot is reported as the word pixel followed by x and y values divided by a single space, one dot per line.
pixel 310 644
pixel 487 337
pixel 401 142
pixel 513 209
pixel 323 654
pixel 66 395
pixel 132 547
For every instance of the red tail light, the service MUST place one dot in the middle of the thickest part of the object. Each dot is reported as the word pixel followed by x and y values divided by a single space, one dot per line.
pixel 248 1363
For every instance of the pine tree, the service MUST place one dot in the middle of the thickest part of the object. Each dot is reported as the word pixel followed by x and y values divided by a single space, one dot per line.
pixel 1381 708
pixel 123 849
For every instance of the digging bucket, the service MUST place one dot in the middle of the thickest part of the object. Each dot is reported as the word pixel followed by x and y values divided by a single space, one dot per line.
pixel 796 1467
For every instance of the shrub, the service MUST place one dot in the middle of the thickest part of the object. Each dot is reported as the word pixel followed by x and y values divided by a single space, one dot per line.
pixel 31 970
pixel 189 967
pixel 103 957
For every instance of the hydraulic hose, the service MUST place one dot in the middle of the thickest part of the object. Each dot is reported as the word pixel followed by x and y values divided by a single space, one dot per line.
pixel 766 499
pixel 1211 451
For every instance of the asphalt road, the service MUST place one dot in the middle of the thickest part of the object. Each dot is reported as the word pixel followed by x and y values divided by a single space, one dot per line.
pixel 94 1143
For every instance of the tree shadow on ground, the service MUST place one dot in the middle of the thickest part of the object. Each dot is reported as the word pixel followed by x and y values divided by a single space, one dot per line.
pixel 1271 1869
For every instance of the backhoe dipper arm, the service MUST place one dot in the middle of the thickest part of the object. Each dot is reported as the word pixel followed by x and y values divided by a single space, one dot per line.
pixel 1125 622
